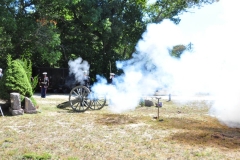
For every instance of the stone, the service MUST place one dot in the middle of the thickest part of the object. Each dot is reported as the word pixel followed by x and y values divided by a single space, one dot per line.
pixel 16 112
pixel 29 106
pixel 15 101
pixel 148 103
pixel 15 108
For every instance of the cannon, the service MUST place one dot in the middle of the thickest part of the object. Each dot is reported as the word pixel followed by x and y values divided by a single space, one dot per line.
pixel 81 98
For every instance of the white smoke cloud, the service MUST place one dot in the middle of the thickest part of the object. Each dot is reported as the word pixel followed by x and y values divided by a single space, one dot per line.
pixel 211 68
pixel 150 68
pixel 77 67
pixel 214 65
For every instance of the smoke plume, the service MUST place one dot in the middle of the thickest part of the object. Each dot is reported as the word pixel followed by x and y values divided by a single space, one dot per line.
pixel 77 67
pixel 212 67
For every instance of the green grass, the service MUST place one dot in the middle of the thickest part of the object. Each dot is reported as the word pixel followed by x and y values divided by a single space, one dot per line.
pixel 34 156
pixel 186 132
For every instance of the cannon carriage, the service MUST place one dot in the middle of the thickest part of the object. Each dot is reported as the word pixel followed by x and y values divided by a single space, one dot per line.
pixel 81 98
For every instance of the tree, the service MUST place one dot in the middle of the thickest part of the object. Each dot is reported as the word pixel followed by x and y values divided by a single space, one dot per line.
pixel 104 31
pixel 6 25
pixel 99 31
pixel 178 50
pixel 25 35
pixel 47 42
pixel 50 33
pixel 168 9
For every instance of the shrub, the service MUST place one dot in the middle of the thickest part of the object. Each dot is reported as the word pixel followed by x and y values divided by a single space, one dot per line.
pixel 15 79
pixel 27 65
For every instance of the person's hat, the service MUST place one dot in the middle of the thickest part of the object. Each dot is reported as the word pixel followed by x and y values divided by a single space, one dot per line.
pixel 0 69
pixel 44 73
pixel 112 74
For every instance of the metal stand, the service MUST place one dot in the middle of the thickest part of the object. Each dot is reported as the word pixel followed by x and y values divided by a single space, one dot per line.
pixel 159 105
pixel 169 97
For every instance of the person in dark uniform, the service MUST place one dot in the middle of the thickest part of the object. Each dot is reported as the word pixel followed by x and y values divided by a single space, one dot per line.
pixel 110 80
pixel 44 83
pixel 86 79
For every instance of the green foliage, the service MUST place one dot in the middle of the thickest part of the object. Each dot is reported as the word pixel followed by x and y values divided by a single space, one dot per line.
pixel 178 50
pixel 15 79
pixel 34 83
pixel 165 9
pixel 6 24
pixel 27 65
pixel 50 33
pixel 5 40
pixel 100 31
pixel 9 60
pixel 72 158
pixel 33 101
pixel 4 94
pixel 35 156
pixel 47 43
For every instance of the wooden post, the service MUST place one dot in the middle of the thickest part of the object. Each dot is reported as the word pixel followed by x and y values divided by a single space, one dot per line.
pixel 159 104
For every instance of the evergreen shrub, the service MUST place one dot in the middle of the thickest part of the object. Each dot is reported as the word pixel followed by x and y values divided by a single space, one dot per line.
pixel 15 79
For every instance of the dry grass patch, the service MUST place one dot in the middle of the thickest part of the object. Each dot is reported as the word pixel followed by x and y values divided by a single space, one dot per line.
pixel 116 119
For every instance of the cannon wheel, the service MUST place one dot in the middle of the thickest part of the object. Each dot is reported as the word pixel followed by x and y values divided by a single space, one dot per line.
pixel 78 98
pixel 97 102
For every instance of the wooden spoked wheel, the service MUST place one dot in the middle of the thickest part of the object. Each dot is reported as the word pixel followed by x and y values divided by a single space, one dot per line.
pixel 78 98
pixel 97 102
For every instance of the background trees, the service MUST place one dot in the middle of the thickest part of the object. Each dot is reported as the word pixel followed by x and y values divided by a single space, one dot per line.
pixel 178 50
pixel 50 33
pixel 163 9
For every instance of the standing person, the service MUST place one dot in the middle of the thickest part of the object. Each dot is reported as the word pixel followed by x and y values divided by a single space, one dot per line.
pixel 44 83
pixel 110 80
pixel 86 79
pixel 1 74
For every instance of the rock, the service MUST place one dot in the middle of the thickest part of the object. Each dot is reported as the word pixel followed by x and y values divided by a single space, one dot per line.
pixel 15 108
pixel 16 112
pixel 29 106
pixel 148 103
pixel 15 101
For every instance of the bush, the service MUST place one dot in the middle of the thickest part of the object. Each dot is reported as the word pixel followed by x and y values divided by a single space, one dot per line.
pixel 15 79
pixel 27 65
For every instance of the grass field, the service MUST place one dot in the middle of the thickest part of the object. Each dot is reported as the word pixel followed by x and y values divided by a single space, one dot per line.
pixel 56 132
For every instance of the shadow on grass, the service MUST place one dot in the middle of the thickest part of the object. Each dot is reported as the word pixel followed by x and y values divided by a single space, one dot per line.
pixel 202 132
pixel 66 106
